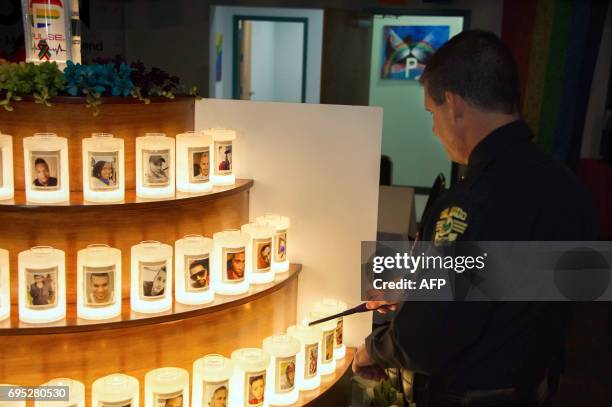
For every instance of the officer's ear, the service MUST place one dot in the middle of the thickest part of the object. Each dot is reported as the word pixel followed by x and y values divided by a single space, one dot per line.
pixel 456 105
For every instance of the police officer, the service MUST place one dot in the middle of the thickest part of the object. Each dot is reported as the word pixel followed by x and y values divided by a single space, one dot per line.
pixel 484 353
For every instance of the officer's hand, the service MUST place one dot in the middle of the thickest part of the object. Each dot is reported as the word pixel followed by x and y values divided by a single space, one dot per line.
pixel 382 306
pixel 365 367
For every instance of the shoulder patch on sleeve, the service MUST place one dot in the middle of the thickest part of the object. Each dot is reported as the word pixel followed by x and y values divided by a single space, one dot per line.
pixel 451 223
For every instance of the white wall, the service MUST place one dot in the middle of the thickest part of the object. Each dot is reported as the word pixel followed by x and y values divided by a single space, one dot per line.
pixel 263 55
pixel 289 57
pixel 319 165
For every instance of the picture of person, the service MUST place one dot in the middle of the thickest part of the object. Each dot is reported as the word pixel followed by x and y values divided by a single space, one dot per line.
pixel 156 167
pixel 45 170
pixel 339 327
pixel 285 379
pixel 41 285
pixel 198 273
pixel 234 265
pixel 223 157
pixel 328 343
pixel 215 394
pixel 174 402
pixel 200 160
pixel 312 360
pixel 256 385
pixel 169 400
pixel 103 171
pixel 263 252
pixel 153 280
pixel 281 247
pixel 99 287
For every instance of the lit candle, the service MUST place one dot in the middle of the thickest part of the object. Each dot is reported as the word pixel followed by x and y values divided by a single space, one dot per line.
pixel 231 262
pixel 328 331
pixel 261 251
pixel 155 166
pixel 5 285
pixel 223 158
pixel 280 260
pixel 281 384
pixel 42 285
pixel 103 168
pixel 20 403
pixel 330 307
pixel 211 381
pixel 248 384
pixel 46 168
pixel 151 277
pixel 98 282
pixel 193 161
pixel 309 356
pixel 6 167
pixel 75 392
pixel 192 259
pixel 117 390
pixel 167 386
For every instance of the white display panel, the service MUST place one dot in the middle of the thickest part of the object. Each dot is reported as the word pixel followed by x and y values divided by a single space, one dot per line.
pixel 248 384
pixel 307 375
pixel 45 158
pixel 193 258
pixel 5 285
pixel 280 258
pixel 98 282
pixel 231 262
pixel 103 168
pixel 223 155
pixel 282 388
pixel 211 381
pixel 115 390
pixel 155 166
pixel 193 162
pixel 262 243
pixel 7 188
pixel 76 393
pixel 42 285
pixel 151 277
pixel 167 386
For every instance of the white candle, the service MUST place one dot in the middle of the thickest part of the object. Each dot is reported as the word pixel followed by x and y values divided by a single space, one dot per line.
pixel 5 285
pixel 328 331
pixel 210 382
pixel 103 168
pixel 6 167
pixel 151 277
pixel 115 390
pixel 167 386
pixel 193 258
pixel 281 376
pixel 155 166
pixel 331 306
pixel 261 251
pixel 42 285
pixel 98 282
pixel 46 168
pixel 309 356
pixel 223 157
pixel 280 259
pixel 231 262
pixel 193 161
pixel 75 391
pixel 248 384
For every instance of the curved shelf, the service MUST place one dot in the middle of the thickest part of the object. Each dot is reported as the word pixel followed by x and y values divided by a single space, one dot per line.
pixel 77 202
pixel 129 318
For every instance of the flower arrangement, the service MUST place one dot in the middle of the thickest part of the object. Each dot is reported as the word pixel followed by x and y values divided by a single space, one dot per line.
pixel 102 78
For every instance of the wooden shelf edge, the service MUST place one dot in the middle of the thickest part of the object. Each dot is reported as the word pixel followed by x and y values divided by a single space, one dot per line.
pixel 179 311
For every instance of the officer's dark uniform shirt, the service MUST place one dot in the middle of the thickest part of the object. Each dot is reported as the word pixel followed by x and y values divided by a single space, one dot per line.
pixel 512 191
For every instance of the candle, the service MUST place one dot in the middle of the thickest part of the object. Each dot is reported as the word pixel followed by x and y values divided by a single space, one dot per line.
pixel 5 285
pixel 151 277
pixel 248 383
pixel 98 282
pixel 210 382
pixel 261 236
pixel 42 285
pixel 231 262
pixel 280 260
pixel 330 307
pixel 281 384
pixel 103 168
pixel 155 166
pixel 167 386
pixel 193 161
pixel 328 331
pixel 6 167
pixel 46 168
pixel 223 171
pixel 75 392
pixel 309 356
pixel 192 270
pixel 115 390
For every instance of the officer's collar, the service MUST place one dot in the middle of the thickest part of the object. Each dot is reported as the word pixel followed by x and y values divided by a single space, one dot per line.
pixel 497 142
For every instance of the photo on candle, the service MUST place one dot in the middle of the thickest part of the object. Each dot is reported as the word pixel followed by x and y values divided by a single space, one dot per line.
pixel 45 167
pixel 223 157
pixel 339 328
pixel 152 280
pixel 197 273
pixel 328 345
pixel 41 287
pixel 199 162
pixel 103 171
pixel 156 168
pixel 233 264
pixel 1 169
pixel 285 374
pixel 262 255
pixel 174 399
pixel 280 254
pixel 215 394
pixel 311 360
pixel 122 403
pixel 255 385
pixel 99 286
